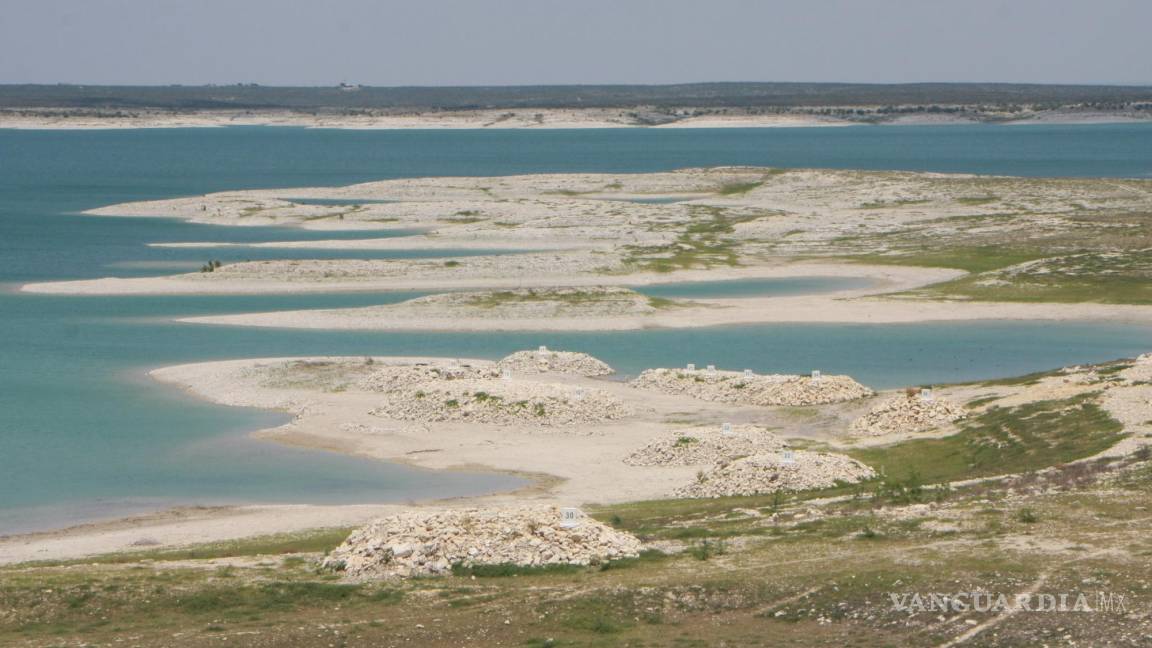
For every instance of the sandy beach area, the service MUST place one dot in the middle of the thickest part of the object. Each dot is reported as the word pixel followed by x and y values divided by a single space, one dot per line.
pixel 522 118
pixel 555 458
pixel 710 312
pixel 541 118
pixel 867 305
pixel 363 407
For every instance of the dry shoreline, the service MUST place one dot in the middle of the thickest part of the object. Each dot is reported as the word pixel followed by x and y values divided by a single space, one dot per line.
pixel 522 118
pixel 553 459
pixel 889 278
pixel 545 118
pixel 344 420
pixel 713 312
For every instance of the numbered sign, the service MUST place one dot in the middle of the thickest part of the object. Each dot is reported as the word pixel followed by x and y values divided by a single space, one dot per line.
pixel 691 367
pixel 578 395
pixel 788 457
pixel 747 373
pixel 543 350
pixel 816 375
pixel 926 395
pixel 506 374
pixel 711 369
pixel 726 429
pixel 571 518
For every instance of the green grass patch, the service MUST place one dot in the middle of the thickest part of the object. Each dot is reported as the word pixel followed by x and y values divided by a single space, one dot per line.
pixel 971 259
pixel 702 243
pixel 1002 440
pixel 736 188
pixel 1103 288
pixel 570 297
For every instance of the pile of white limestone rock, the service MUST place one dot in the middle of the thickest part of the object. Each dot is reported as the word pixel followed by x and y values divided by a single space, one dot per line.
pixel 431 543
pixel 546 361
pixel 780 471
pixel 906 414
pixel 705 446
pixel 391 377
pixel 502 402
pixel 752 389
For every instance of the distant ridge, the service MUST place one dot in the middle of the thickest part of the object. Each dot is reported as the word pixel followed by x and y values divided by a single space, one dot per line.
pixel 712 95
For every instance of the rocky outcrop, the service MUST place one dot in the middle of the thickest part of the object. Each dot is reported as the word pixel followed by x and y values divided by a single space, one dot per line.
pixel 769 473
pixel 531 303
pixel 502 403
pixel 391 377
pixel 547 361
pixel 907 413
pixel 705 446
pixel 752 389
pixel 424 543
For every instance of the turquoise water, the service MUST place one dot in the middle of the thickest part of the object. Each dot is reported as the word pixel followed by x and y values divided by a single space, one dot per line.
pixel 84 433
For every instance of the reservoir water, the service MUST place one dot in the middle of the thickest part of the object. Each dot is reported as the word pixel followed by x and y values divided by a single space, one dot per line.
pixel 85 434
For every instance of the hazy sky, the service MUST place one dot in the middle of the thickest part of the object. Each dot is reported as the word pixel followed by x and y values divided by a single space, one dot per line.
pixel 478 42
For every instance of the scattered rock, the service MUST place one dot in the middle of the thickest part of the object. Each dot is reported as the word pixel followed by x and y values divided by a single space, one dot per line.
pixel 425 543
pixel 502 402
pixel 530 303
pixel 705 446
pixel 769 473
pixel 547 361
pixel 907 413
pixel 392 377
pixel 752 389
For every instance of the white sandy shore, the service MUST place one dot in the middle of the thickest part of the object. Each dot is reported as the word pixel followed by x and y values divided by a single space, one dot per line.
pixel 830 308
pixel 891 277
pixel 182 526
pixel 542 118
pixel 864 305
pixel 522 118
pixel 342 421
pixel 384 244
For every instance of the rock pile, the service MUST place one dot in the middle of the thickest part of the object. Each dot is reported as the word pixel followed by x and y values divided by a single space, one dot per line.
pixel 565 362
pixel 769 473
pixel 1141 369
pixel 907 414
pixel 752 389
pixel 502 403
pixel 424 543
pixel 705 446
pixel 391 377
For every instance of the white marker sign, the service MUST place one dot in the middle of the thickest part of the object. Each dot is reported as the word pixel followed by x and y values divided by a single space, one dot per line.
pixel 691 367
pixel 926 394
pixel 816 375
pixel 747 373
pixel 726 429
pixel 571 518
pixel 788 457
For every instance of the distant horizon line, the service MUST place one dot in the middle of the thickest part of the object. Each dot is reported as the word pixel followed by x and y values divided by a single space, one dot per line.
pixel 339 84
